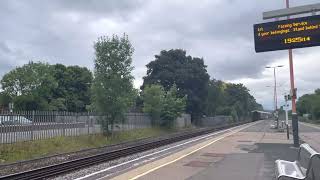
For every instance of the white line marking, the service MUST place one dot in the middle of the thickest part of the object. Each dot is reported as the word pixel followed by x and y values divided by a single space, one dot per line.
pixel 185 155
pixel 138 164
pixel 133 160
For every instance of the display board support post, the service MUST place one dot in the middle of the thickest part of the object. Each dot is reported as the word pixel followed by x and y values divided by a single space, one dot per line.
pixel 295 125
pixel 263 44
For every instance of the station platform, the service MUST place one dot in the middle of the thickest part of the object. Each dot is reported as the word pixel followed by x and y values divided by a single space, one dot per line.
pixel 245 153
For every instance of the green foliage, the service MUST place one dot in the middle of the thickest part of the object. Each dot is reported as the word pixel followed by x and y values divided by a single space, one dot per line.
pixel 73 91
pixel 113 92
pixel 40 148
pixel 5 99
pixel 188 73
pixel 182 84
pixel 164 107
pixel 153 102
pixel 58 104
pixel 173 107
pixel 234 114
pixel 204 97
pixel 30 102
pixel 310 104
pixel 230 100
pixel 215 101
pixel 223 110
pixel 40 86
pixel 31 78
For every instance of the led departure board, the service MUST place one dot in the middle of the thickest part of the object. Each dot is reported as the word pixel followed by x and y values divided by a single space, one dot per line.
pixel 287 34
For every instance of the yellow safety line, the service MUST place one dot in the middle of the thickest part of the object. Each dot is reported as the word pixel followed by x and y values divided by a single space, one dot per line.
pixel 153 169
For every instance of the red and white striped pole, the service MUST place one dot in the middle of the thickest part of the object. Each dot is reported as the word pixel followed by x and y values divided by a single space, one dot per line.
pixel 295 125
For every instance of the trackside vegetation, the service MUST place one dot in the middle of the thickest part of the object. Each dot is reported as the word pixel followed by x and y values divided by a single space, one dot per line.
pixel 112 91
pixel 35 149
pixel 163 107
pixel 175 83
pixel 308 105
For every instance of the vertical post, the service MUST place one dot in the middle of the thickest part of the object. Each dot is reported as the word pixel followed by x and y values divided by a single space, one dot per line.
pixel 63 124
pixel 295 125
pixel 275 89
pixel 275 96
pixel 287 118
pixel 88 122
pixel 6 127
pixel 32 126
pixel 45 124
pixel 1 129
pixel 40 113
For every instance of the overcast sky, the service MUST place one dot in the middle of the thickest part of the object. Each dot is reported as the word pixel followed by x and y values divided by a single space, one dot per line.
pixel 220 31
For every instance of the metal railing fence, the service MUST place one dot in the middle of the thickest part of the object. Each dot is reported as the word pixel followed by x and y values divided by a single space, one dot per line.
pixel 35 125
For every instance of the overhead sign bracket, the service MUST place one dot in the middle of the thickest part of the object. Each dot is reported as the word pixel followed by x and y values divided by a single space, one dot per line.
pixel 313 8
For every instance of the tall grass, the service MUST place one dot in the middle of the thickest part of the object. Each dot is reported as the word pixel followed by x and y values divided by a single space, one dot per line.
pixel 35 149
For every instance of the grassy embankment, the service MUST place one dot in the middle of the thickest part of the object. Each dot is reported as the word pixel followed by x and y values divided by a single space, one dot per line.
pixel 40 148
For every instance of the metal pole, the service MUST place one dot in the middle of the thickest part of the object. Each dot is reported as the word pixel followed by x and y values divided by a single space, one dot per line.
pixel 295 125
pixel 287 118
pixel 275 88
pixel 275 95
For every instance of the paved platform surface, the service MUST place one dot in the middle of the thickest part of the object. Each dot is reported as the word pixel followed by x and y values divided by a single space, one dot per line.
pixel 245 154
pixel 310 134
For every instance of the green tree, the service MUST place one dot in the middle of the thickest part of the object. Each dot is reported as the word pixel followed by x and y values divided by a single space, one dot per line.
pixel 153 101
pixel 238 97
pixel 112 88
pixel 173 107
pixel 73 89
pixel 164 107
pixel 224 110
pixel 5 99
pixel 310 104
pixel 215 98
pixel 56 87
pixel 30 102
pixel 30 86
pixel 230 99
pixel 32 78
pixel 58 104
pixel 188 73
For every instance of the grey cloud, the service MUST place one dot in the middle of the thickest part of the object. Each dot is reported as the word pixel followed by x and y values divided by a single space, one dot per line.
pixel 8 58
pixel 4 48
pixel 100 7
pixel 208 31
pixel 44 30
pixel 64 31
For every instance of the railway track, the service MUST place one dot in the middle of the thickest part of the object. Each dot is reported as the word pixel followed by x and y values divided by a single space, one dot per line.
pixel 69 166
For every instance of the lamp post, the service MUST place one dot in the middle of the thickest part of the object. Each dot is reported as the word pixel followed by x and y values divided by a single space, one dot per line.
pixel 275 89
pixel 274 100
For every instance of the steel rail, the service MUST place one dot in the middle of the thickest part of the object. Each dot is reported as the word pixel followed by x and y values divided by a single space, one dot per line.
pixel 69 166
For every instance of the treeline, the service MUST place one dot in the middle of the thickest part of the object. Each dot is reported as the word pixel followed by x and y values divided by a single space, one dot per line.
pixel 175 83
pixel 309 104
pixel 204 96
pixel 40 86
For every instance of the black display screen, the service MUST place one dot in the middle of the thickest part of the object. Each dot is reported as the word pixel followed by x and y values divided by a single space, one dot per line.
pixel 287 34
